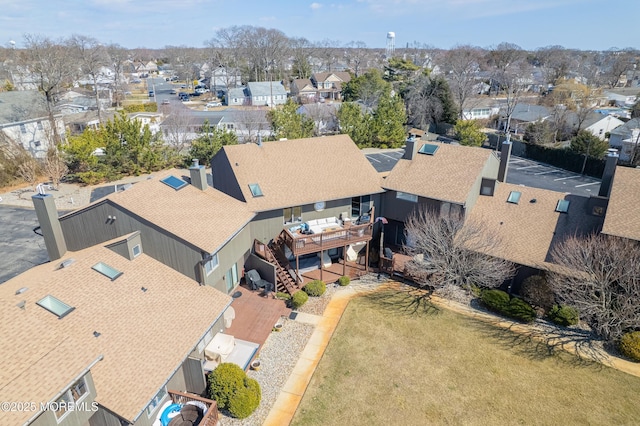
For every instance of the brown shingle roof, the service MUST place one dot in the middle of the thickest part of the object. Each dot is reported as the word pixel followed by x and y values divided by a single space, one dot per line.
pixel 448 175
pixel 528 230
pixel 145 336
pixel 300 171
pixel 323 76
pixel 206 219
pixel 624 204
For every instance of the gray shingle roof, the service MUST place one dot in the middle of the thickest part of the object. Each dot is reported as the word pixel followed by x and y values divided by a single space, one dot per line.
pixel 21 105
pixel 266 88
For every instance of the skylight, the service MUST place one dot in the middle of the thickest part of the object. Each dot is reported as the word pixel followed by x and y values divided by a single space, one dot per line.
pixel 428 149
pixel 256 191
pixel 55 306
pixel 562 206
pixel 174 182
pixel 106 270
pixel 514 197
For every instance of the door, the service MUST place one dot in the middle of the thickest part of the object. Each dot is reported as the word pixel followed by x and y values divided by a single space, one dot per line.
pixel 232 277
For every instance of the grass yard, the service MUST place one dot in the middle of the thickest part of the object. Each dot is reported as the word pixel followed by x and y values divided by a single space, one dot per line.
pixel 395 360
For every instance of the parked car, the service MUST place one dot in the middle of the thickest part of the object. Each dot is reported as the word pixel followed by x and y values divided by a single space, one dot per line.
pixel 201 90
pixel 173 91
pixel 151 94
pixel 214 104
pixel 166 102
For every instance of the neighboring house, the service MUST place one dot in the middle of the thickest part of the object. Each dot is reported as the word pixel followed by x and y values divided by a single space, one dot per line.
pixel 108 329
pixel 267 93
pixel 248 124
pixel 24 120
pixel 323 116
pixel 79 122
pixel 523 115
pixel 179 128
pixel 303 90
pixel 597 124
pixel 237 96
pixel 329 84
pixel 624 133
pixel 622 97
pixel 623 205
pixel 151 119
pixel 480 109
pixel 436 176
pixel 74 101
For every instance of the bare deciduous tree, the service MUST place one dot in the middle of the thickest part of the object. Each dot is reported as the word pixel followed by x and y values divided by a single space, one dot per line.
pixel 92 57
pixel 28 170
pixel 447 250
pixel 54 166
pixel 461 65
pixel 118 56
pixel 602 281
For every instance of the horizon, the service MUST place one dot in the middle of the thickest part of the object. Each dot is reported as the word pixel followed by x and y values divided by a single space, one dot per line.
pixel 444 24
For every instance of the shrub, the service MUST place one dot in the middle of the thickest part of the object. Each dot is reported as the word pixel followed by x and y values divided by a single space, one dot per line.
pixel 298 299
pixel 629 345
pixel 495 300
pixel 283 296
pixel 344 280
pixel 246 400
pixel 315 288
pixel 520 310
pixel 564 315
pixel 537 291
pixel 224 381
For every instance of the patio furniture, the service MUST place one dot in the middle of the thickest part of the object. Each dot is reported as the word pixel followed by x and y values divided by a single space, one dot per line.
pixel 256 282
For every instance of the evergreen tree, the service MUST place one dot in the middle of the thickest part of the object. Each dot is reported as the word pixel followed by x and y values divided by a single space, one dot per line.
pixel 388 122
pixel 587 143
pixel 367 88
pixel 356 123
pixel 287 123
pixel 210 141
pixel 468 133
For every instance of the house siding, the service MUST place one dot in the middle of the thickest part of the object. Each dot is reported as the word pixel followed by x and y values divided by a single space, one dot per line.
pixel 236 251
pixel 75 417
pixel 223 178
pixel 489 171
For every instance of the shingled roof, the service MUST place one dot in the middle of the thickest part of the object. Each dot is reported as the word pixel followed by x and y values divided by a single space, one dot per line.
pixel 297 172
pixel 144 335
pixel 23 105
pixel 529 229
pixel 621 219
pixel 448 175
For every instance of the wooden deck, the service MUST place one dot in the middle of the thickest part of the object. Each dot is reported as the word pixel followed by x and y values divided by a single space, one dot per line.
pixel 334 272
pixel 255 315
pixel 301 244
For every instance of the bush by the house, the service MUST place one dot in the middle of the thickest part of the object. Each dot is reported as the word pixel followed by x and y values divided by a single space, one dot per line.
pixel 283 296
pixel 564 315
pixel 495 300
pixel 230 387
pixel 500 302
pixel 344 280
pixel 537 291
pixel 298 299
pixel 315 288
pixel 629 345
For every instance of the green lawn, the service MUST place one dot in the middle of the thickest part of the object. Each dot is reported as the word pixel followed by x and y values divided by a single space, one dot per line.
pixel 395 360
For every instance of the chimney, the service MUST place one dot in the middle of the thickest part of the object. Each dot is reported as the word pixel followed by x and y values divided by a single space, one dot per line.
pixel 505 154
pixel 259 139
pixel 411 149
pixel 50 225
pixel 609 172
pixel 198 175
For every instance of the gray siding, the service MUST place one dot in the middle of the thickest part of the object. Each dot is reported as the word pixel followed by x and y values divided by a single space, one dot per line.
pixel 234 252
pixel 489 171
pixel 223 178
pixel 125 247
pixel 397 209
pixel 72 418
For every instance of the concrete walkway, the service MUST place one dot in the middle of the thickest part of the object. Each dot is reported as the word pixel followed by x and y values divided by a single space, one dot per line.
pixel 291 394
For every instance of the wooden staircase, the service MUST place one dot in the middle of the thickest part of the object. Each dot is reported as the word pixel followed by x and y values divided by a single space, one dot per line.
pixel 274 254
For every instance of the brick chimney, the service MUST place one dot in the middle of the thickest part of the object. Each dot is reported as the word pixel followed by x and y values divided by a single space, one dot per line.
pixel 609 172
pixel 50 225
pixel 505 154
pixel 198 175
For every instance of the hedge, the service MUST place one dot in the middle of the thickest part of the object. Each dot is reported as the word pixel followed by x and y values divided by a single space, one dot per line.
pixel 629 345
pixel 500 302
pixel 315 288
pixel 298 299
pixel 564 315
pixel 230 387
pixel 344 280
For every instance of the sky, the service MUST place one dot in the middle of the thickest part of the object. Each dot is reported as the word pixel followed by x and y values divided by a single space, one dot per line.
pixel 580 24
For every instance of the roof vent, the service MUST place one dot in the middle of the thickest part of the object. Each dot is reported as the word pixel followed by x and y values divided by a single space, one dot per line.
pixel 21 290
pixel 96 334
pixel 533 201
pixel 67 263
pixel 21 304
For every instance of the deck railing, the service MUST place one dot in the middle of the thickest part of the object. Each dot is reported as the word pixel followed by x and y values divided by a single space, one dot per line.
pixel 210 418
pixel 310 243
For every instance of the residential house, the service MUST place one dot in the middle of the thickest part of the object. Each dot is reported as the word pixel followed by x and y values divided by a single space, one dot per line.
pixel 523 115
pixel 248 124
pixel 303 90
pixel 323 116
pixel 25 121
pixel 237 96
pixel 151 119
pixel 622 96
pixel 621 138
pixel 267 93
pixel 480 109
pixel 417 182
pixel 597 124
pixel 77 123
pixel 329 84
pixel 180 129
pixel 101 335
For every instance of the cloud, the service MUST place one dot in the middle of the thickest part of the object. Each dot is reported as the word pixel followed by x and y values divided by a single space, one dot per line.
pixel 315 6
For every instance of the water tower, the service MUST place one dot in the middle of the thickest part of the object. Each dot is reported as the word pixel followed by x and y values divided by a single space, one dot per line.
pixel 391 43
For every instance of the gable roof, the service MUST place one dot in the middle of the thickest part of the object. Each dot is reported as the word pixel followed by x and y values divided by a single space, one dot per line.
pixel 621 218
pixel 144 336
pixel 303 85
pixel 448 175
pixel 324 76
pixel 266 88
pixel 528 230
pixel 22 105
pixel 187 213
pixel 626 129
pixel 529 113
pixel 290 172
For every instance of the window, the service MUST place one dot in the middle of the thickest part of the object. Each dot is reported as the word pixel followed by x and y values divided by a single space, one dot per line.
pixel 106 270
pixel 174 182
pixel 231 277
pixel 407 197
pixel 73 395
pixel 55 306
pixel 360 205
pixel 62 405
pixel 562 206
pixel 487 187
pixel 136 250
pixel 256 191
pixel 155 402
pixel 211 263
pixel 292 214
pixel 514 197
pixel 78 390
